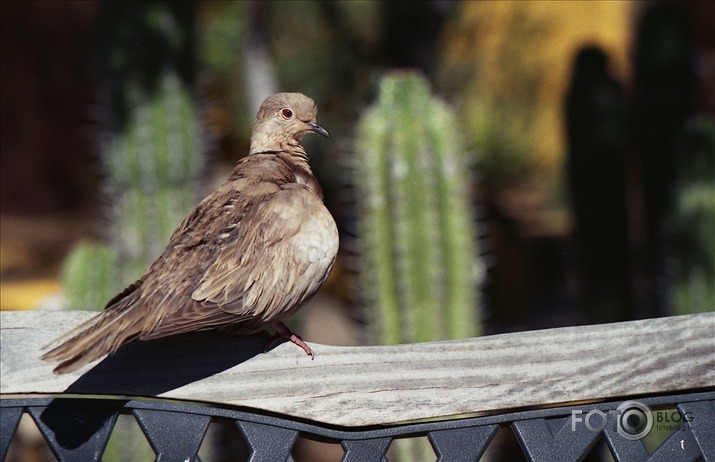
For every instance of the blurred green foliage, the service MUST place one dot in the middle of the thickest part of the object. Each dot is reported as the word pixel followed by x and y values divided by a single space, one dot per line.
pixel 693 222
pixel 223 28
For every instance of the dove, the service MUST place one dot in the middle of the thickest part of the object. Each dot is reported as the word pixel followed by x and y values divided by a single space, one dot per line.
pixel 244 259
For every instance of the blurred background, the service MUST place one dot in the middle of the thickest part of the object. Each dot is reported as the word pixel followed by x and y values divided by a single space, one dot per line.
pixel 585 132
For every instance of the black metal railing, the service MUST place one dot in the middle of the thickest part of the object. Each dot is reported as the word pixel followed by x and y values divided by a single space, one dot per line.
pixel 78 428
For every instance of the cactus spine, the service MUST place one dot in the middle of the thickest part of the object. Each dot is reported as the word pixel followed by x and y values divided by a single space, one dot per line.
pixel 418 261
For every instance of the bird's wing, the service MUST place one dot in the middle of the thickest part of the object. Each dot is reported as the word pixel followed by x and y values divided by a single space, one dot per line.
pixel 288 245
pixel 282 251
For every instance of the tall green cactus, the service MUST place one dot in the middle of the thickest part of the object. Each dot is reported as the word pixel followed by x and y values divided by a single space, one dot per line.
pixel 151 156
pixel 417 239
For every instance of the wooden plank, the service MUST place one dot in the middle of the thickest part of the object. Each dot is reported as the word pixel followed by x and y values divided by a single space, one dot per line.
pixel 355 386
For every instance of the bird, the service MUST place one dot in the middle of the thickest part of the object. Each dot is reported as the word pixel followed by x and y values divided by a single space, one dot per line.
pixel 246 257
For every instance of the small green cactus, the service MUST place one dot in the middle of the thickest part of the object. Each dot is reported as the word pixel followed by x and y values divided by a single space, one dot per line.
pixel 417 238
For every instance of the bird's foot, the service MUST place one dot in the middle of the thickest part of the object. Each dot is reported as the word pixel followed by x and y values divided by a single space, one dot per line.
pixel 283 333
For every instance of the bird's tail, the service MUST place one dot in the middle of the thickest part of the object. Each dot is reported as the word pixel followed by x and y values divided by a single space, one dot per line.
pixel 101 335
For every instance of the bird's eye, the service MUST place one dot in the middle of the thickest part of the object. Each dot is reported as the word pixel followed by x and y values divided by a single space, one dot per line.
pixel 286 113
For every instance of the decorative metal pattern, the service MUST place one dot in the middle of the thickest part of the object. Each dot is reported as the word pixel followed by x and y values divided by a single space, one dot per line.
pixel 77 429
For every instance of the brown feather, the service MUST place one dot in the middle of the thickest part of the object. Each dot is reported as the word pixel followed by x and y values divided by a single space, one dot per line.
pixel 250 254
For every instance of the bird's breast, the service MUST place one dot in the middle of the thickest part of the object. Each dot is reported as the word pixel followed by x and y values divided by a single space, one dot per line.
pixel 318 239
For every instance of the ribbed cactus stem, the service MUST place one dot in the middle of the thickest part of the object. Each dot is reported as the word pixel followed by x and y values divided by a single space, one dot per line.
pixel 459 244
pixel 375 229
pixel 152 169
pixel 417 236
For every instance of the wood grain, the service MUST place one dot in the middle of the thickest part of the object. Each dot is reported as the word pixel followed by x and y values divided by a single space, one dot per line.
pixel 357 386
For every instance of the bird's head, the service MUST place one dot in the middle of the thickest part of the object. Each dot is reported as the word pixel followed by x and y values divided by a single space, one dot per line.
pixel 282 121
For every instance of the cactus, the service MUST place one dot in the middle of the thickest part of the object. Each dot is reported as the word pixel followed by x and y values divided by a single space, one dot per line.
pixel 151 154
pixel 416 232
pixel 417 237
pixel 89 275
pixel 151 168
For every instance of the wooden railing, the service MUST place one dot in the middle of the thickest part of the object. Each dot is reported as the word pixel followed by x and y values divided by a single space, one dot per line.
pixel 454 392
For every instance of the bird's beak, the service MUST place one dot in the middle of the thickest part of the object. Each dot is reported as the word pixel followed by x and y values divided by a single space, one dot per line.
pixel 315 128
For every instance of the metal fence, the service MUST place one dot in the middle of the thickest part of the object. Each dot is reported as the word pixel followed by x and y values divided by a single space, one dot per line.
pixel 78 428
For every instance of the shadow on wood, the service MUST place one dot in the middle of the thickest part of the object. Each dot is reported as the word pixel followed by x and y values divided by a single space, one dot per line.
pixel 150 368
